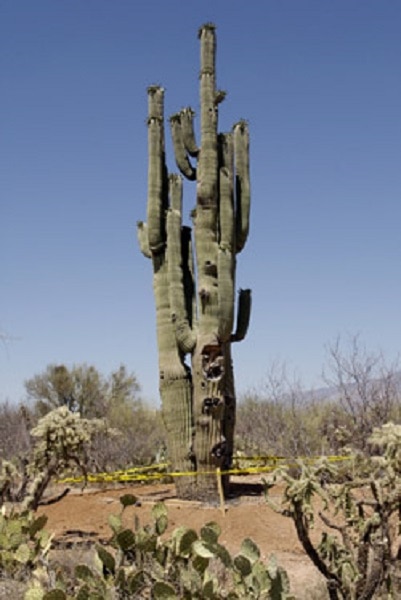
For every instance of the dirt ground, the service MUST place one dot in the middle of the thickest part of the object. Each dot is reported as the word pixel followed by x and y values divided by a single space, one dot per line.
pixel 85 514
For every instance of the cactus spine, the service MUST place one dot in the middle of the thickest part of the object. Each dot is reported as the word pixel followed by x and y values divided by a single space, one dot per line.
pixel 194 287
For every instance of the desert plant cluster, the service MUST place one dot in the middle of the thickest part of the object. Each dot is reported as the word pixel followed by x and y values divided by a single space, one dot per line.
pixel 62 429
pixel 336 450
pixel 359 554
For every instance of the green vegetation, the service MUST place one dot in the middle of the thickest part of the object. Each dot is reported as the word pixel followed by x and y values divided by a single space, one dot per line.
pixel 24 543
pixel 185 565
pixel 357 500
pixel 135 432
pixel 194 279
pixel 359 503
pixel 140 563
pixel 61 443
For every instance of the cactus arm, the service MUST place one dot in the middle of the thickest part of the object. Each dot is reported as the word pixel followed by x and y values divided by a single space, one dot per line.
pixel 243 315
pixel 181 157
pixel 226 294
pixel 177 293
pixel 226 257
pixel 242 186
pixel 219 96
pixel 208 163
pixel 226 253
pixel 226 150
pixel 143 238
pixel 226 191
pixel 226 210
pixel 156 170
pixel 188 134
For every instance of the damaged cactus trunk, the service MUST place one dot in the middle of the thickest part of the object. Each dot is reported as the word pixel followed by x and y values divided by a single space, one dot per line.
pixel 194 278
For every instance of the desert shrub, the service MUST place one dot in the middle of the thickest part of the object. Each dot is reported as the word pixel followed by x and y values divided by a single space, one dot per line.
pixel 280 419
pixel 366 389
pixel 359 553
pixel 141 438
pixel 362 391
pixel 80 388
pixel 15 424
pixel 115 398
pixel 60 443
pixel 286 428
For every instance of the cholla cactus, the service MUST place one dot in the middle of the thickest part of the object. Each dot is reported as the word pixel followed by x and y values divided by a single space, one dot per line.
pixel 194 285
pixel 361 503
pixel 61 443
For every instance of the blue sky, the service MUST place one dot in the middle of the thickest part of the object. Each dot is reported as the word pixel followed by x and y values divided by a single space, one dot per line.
pixel 319 82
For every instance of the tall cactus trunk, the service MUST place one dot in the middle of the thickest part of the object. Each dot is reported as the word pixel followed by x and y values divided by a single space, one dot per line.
pixel 195 287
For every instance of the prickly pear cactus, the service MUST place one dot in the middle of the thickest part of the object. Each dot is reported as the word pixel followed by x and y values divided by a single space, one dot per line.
pixel 194 276
pixel 24 544
pixel 187 564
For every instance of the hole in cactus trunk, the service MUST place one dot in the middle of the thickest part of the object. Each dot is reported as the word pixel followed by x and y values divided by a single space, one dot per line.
pixel 219 449
pixel 212 363
pixel 209 404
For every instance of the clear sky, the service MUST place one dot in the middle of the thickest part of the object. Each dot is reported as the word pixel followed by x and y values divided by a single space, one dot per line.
pixel 320 84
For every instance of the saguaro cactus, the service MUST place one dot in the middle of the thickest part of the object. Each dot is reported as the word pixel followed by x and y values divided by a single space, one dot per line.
pixel 194 281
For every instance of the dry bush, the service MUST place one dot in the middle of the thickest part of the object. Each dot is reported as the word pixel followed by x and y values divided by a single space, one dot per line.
pixel 15 424
pixel 366 390
pixel 280 420
pixel 363 391
pixel 141 439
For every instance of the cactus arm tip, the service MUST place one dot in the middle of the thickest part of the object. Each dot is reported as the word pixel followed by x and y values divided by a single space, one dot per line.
pixel 219 96
pixel 206 26
pixel 243 316
pixel 154 87
pixel 188 134
pixel 157 170
pixel 180 151
pixel 143 239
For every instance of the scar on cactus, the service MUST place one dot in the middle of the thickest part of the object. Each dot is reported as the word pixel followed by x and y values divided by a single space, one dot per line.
pixel 194 277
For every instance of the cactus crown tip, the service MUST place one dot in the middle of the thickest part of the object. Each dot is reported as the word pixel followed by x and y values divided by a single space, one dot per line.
pixel 242 124
pixel 155 88
pixel 189 111
pixel 207 27
pixel 176 117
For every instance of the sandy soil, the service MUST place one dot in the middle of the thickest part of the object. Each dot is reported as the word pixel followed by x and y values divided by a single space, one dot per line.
pixel 85 514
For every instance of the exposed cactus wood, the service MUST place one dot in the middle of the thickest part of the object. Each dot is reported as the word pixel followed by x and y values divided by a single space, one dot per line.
pixel 194 277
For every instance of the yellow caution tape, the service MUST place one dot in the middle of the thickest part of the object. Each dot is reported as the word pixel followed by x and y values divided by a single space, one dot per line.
pixel 142 474
pixel 278 458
